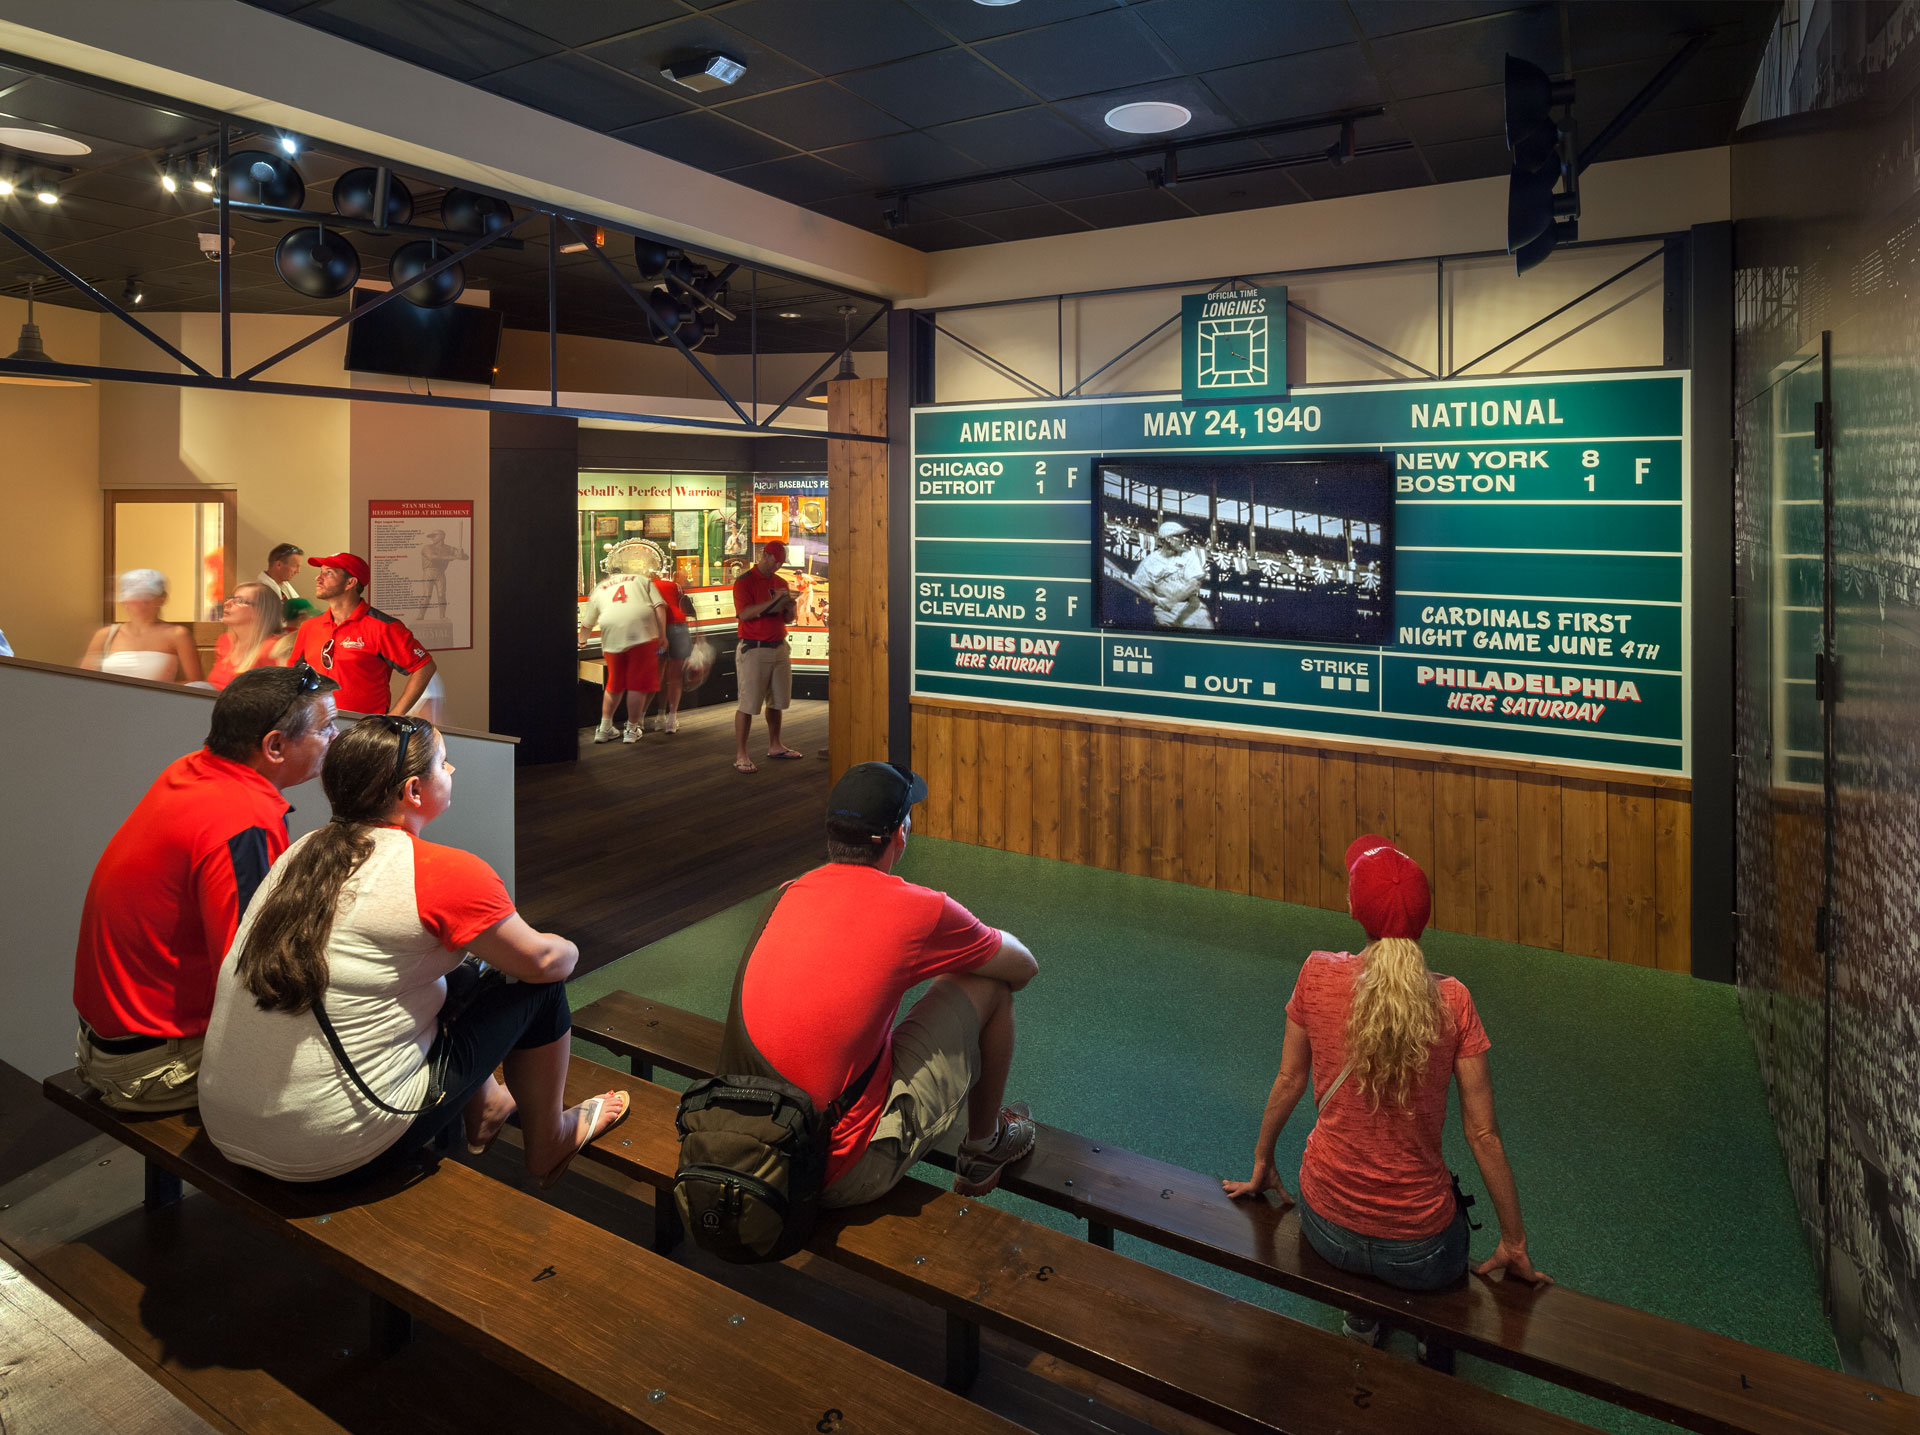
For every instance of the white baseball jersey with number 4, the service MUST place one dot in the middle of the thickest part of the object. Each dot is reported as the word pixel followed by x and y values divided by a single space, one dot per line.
pixel 627 609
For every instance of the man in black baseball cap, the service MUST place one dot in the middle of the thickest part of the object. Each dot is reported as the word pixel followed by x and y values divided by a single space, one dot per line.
pixel 841 948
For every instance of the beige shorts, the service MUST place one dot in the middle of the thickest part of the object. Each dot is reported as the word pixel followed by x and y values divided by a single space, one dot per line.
pixel 765 676
pixel 936 1061
pixel 162 1078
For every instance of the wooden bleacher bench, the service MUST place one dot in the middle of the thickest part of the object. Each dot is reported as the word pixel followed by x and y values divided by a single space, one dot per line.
pixel 625 1336
pixel 1228 1362
pixel 1631 1358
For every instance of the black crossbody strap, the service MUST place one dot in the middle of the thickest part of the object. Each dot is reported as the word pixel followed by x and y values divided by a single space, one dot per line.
pixel 434 1094
pixel 846 1099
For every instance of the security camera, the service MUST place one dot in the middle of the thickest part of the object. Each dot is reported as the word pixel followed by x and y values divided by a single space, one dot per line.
pixel 210 246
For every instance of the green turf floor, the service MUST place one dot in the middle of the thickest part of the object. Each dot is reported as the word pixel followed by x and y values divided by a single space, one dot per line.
pixel 1629 1099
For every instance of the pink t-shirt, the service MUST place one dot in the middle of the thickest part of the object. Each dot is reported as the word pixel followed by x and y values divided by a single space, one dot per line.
pixel 845 944
pixel 1378 1172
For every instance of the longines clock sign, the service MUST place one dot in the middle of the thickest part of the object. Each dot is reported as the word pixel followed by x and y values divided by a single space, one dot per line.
pixel 1233 345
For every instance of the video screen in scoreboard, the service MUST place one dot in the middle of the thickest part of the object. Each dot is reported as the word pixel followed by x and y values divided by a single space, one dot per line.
pixel 1292 548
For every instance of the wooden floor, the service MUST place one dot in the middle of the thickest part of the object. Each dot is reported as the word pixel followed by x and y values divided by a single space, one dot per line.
pixel 631 843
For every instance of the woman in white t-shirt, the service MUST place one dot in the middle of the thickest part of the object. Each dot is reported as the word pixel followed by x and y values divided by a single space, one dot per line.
pixel 346 1031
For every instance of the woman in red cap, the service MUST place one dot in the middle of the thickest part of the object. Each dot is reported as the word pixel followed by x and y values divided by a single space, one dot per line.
pixel 1382 1038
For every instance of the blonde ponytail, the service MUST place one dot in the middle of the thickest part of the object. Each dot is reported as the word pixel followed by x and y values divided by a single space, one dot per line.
pixel 1396 1017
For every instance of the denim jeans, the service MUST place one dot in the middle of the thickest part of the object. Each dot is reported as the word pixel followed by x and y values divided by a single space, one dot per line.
pixel 1423 1265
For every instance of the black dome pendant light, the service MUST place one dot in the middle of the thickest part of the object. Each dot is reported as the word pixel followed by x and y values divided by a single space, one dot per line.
pixel 410 261
pixel 466 212
pixel 256 177
pixel 315 263
pixel 354 191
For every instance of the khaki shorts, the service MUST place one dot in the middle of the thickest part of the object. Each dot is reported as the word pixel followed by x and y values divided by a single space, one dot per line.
pixel 936 1061
pixel 765 676
pixel 162 1078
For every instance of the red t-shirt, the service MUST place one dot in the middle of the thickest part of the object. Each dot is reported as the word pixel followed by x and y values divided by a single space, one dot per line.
pixel 825 980
pixel 360 654
pixel 167 894
pixel 1380 1173
pixel 457 895
pixel 223 672
pixel 675 600
pixel 753 587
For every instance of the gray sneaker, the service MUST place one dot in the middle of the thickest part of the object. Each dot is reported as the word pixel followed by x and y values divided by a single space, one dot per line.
pixel 977 1172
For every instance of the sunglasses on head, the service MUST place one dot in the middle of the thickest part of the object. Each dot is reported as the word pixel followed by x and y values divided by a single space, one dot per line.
pixel 306 683
pixel 406 727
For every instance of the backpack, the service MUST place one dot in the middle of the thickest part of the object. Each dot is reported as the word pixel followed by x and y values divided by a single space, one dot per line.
pixel 753 1150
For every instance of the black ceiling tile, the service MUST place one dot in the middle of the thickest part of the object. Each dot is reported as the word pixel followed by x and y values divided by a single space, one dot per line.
pixel 1468 159
pixel 1713 76
pixel 865 209
pixel 279 7
pixel 1390 17
pixel 648 53
pixel 964 201
pixel 937 88
pixel 89 114
pixel 1209 34
pixel 1017 137
pixel 1078 57
pixel 815 116
pixel 1401 169
pixel 440 35
pixel 940 234
pixel 1291 86
pixel 706 141
pixel 1261 189
pixel 833 36
pixel 801 179
pixel 904 159
pixel 1033 221
pixel 1233 152
pixel 1142 206
pixel 1209 114
pixel 1628 30
pixel 584 91
pixel 581 22
pixel 1469 53
pixel 1085 181
pixel 969 20
pixel 1665 131
pixel 1456 115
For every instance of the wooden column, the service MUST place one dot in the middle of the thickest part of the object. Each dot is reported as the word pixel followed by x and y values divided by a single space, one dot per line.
pixel 857 728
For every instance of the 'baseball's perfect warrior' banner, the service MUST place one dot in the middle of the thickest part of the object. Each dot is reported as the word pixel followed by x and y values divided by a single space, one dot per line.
pixel 1539 573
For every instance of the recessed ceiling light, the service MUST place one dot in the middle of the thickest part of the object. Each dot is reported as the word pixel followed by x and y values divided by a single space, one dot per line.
pixel 789 313
pixel 1148 117
pixel 996 3
pixel 705 72
pixel 41 142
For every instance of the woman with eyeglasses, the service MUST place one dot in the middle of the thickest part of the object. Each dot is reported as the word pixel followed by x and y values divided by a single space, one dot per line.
pixel 253 637
pixel 347 1033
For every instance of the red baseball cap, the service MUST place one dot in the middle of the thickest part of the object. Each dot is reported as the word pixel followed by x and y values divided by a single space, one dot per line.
pixel 775 546
pixel 1386 889
pixel 351 563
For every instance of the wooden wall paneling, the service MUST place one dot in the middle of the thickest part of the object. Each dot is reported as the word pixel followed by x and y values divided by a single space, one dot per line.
pixel 1583 866
pixel 1303 828
pixel 966 778
pixel 1163 781
pixel 1049 799
pixel 1102 801
pixel 1198 811
pixel 1496 907
pixel 1673 881
pixel 1452 872
pixel 1373 797
pixel 1135 834
pixel 1413 811
pixel 1020 794
pixel 879 676
pixel 993 779
pixel 938 728
pixel 1267 822
pixel 1233 830
pixel 1630 875
pixel 1538 833
pixel 1076 794
pixel 857 727
pixel 1337 829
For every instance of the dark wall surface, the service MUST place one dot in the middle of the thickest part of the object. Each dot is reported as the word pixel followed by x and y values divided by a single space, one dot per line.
pixel 533 465
pixel 1827 558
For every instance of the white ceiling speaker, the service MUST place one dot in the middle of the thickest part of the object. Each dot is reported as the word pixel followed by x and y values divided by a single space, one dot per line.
pixel 1148 117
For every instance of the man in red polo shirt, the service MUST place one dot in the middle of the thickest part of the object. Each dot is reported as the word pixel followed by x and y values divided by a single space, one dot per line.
pixel 357 645
pixel 762 602
pixel 167 894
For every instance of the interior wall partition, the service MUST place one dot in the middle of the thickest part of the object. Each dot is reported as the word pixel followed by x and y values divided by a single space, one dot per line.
pixel 1593 852
pixel 1828 644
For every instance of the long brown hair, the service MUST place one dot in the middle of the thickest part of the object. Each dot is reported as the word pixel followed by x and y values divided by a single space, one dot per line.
pixel 1396 1017
pixel 284 963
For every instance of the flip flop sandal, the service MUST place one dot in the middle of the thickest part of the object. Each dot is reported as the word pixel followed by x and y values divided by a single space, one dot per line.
pixel 592 1110
pixel 786 754
pixel 741 764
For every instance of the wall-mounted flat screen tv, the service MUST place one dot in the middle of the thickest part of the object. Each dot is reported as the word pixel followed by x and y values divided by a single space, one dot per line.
pixel 1293 548
pixel 458 344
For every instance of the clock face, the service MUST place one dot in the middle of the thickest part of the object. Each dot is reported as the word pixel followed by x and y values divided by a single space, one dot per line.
pixel 1232 352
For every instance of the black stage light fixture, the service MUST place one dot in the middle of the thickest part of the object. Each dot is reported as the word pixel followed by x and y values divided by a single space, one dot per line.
pixel 354 191
pixel 410 261
pixel 651 258
pixel 1540 212
pixel 466 212
pixel 315 263
pixel 256 177
pixel 132 295
pixel 668 313
pixel 818 393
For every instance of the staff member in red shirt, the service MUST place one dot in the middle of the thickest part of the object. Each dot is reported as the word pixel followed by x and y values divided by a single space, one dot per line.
pixel 168 893
pixel 359 646
pixel 763 603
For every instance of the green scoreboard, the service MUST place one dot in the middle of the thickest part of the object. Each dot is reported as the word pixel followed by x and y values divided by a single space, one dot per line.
pixel 1540 570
